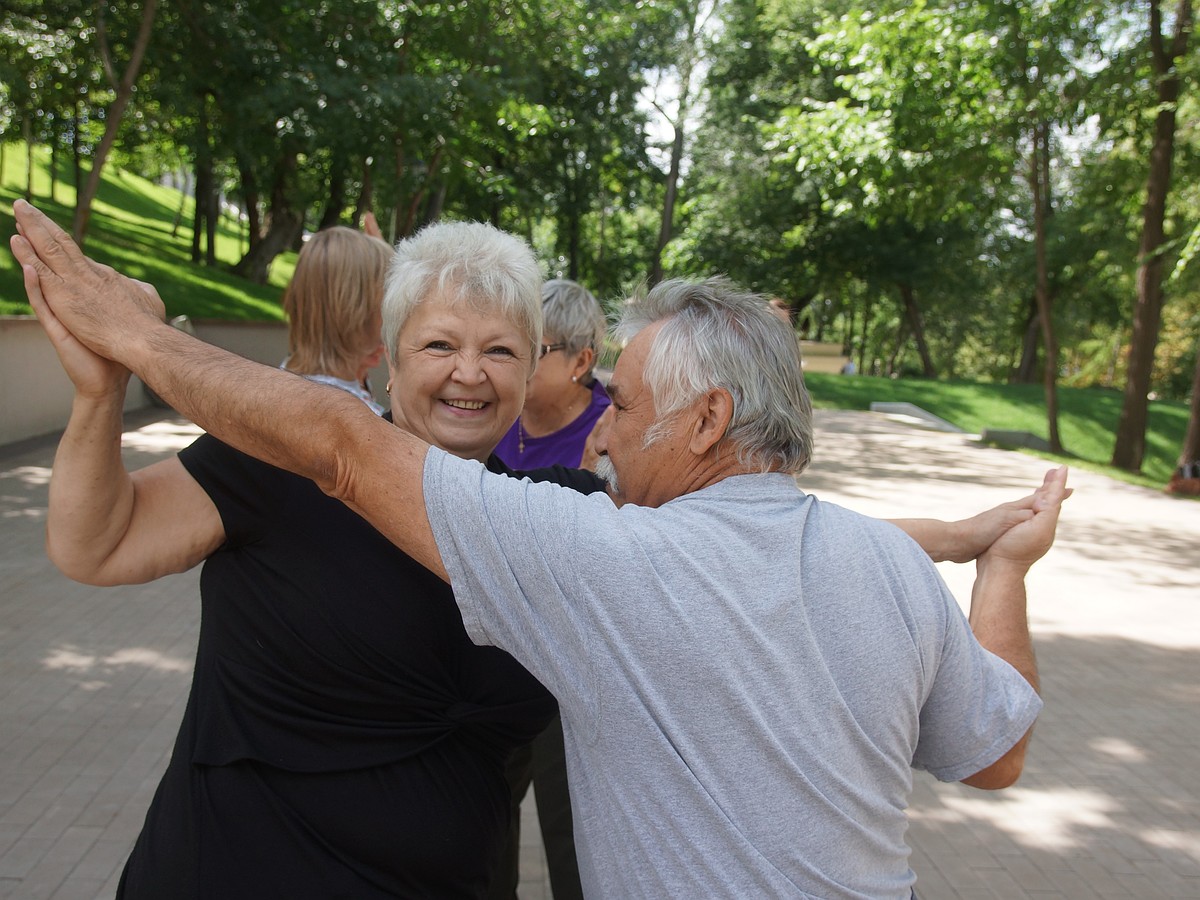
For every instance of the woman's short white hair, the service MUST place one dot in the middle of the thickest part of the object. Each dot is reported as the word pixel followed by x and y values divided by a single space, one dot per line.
pixel 717 336
pixel 572 314
pixel 464 262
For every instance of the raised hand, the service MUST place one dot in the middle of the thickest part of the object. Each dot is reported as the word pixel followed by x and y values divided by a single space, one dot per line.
pixel 972 536
pixel 96 304
pixel 370 225
pixel 1026 543
pixel 93 376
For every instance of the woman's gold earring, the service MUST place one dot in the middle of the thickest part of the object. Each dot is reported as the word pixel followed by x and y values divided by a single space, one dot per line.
pixel 388 388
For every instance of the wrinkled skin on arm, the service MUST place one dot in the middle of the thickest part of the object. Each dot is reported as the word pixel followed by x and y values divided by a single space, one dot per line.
pixel 326 436
pixel 998 607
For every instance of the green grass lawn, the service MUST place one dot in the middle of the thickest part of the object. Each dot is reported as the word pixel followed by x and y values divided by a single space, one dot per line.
pixel 1087 417
pixel 132 229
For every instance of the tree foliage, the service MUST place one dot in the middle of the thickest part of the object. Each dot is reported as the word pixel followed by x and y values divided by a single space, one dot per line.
pixel 948 189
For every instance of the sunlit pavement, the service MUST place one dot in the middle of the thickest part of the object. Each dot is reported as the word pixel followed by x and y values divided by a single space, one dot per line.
pixel 93 682
pixel 1109 805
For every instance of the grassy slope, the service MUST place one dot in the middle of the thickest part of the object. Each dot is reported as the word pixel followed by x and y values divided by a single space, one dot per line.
pixel 131 230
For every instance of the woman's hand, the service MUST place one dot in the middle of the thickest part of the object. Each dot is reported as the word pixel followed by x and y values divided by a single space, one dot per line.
pixel 93 376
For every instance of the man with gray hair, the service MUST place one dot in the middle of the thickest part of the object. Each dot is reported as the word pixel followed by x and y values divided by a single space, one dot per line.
pixel 746 675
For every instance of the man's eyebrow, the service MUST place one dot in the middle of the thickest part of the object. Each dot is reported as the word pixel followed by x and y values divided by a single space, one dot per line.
pixel 613 391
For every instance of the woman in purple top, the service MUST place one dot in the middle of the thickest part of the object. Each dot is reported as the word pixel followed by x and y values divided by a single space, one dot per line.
pixel 564 399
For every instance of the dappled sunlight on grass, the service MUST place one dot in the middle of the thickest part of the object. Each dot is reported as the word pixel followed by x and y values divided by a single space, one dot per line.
pixel 131 230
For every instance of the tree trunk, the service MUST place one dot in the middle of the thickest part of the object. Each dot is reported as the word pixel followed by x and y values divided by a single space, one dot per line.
pixel 27 131
pixel 569 228
pixel 112 119
pixel 1130 447
pixel 688 54
pixel 198 206
pixel 1025 372
pixel 183 195
pixel 76 149
pixel 1039 186
pixel 54 162
pixel 250 197
pixel 916 323
pixel 437 202
pixel 400 215
pixel 286 223
pixel 668 214
pixel 365 197
pixel 255 266
pixel 1191 440
pixel 412 219
pixel 203 186
pixel 868 304
pixel 212 215
pixel 901 337
pixel 337 194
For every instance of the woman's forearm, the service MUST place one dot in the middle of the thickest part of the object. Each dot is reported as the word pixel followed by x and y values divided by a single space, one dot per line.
pixel 91 494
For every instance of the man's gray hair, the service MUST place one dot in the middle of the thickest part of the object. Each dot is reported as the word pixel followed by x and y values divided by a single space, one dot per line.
pixel 464 262
pixel 572 315
pixel 717 336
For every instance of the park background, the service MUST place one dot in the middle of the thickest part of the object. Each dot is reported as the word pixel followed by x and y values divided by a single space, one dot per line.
pixel 998 198
pixel 941 190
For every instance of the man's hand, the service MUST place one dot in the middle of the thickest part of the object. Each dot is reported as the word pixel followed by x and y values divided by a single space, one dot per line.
pixel 370 225
pixel 1026 543
pixel 998 607
pixel 91 301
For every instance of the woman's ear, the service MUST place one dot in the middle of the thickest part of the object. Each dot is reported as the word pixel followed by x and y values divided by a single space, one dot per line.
pixel 583 363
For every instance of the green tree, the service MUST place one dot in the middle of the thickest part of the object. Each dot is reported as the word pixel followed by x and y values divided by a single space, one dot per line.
pixel 1165 54
pixel 122 86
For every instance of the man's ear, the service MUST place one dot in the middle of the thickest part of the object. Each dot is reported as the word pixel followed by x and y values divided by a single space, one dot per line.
pixel 714 413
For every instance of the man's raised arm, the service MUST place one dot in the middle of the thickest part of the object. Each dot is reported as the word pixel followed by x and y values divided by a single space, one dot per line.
pixel 328 436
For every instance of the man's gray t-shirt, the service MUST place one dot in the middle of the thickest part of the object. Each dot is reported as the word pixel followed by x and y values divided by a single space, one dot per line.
pixel 746 676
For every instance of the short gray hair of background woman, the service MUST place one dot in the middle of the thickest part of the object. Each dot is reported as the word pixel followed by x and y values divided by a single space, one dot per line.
pixel 572 315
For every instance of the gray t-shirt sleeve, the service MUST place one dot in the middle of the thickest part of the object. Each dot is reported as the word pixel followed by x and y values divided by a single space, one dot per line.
pixel 976 701
pixel 505 544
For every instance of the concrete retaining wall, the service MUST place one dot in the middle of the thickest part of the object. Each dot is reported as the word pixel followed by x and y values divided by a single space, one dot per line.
pixel 822 357
pixel 35 394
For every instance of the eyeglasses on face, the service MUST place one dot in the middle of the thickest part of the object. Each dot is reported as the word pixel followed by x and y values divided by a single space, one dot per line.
pixel 549 348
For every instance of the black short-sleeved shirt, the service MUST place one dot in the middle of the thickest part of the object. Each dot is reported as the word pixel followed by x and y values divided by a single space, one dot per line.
pixel 343 736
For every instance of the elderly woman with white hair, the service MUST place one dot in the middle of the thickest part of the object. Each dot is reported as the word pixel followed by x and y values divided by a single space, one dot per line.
pixel 343 736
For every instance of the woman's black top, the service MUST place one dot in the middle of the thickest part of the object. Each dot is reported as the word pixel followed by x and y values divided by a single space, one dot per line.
pixel 343 736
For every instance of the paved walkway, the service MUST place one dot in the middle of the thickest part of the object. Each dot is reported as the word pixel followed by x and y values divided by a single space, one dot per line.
pixel 93 681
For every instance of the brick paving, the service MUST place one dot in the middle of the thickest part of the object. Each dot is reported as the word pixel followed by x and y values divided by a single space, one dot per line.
pixel 93 682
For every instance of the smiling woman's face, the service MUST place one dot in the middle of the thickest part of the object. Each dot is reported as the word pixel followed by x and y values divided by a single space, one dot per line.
pixel 459 376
